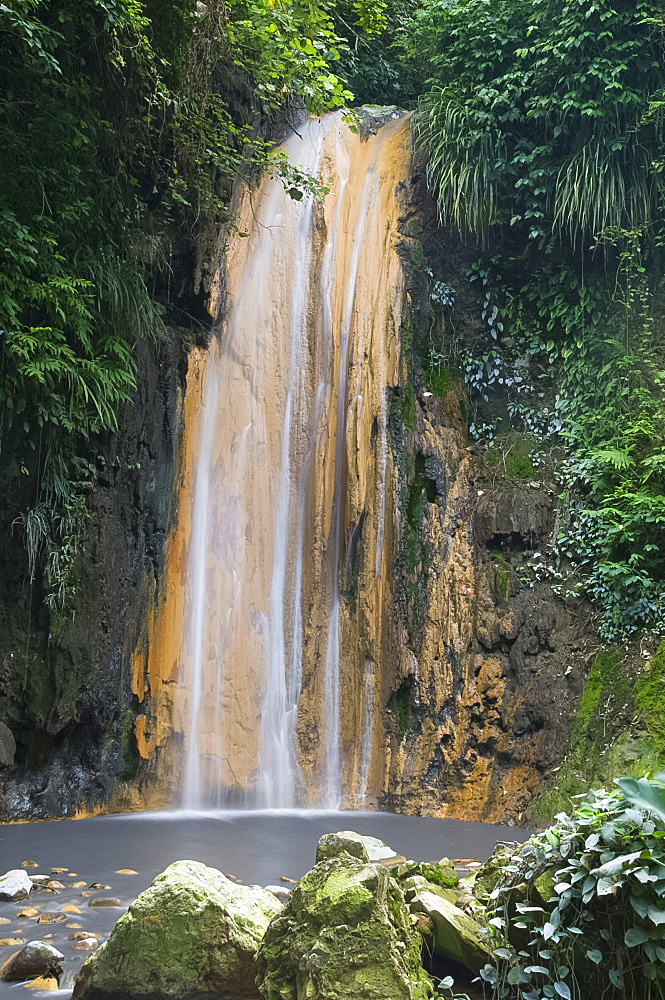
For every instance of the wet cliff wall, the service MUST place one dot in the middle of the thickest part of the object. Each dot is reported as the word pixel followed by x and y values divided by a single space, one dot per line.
pixel 65 691
pixel 464 667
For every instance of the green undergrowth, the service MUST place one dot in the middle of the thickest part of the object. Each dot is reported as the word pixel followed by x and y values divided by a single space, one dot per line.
pixel 510 453
pixel 439 379
pixel 619 729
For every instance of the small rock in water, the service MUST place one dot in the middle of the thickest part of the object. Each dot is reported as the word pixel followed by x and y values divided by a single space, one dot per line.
pixel 5 920
pixel 59 871
pixel 54 884
pixel 285 878
pixel 39 879
pixel 36 959
pixel 82 935
pixel 86 893
pixel 51 918
pixel 47 937
pixel 70 908
pixel 29 864
pixel 126 871
pixel 42 983
pixel 15 885
pixel 98 885
pixel 280 891
pixel 86 944
pixel 72 926
pixel 78 885
pixel 29 911
pixel 105 901
pixel 12 940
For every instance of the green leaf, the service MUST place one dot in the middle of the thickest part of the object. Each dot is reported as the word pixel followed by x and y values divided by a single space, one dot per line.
pixel 635 936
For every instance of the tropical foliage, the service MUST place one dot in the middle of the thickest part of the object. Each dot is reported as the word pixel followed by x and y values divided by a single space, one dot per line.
pixel 543 131
pixel 123 125
pixel 581 909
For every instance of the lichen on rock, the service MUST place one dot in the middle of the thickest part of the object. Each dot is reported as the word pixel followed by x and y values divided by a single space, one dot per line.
pixel 191 933
pixel 345 934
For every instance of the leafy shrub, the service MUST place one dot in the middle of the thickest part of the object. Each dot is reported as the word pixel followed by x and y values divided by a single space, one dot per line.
pixel 582 906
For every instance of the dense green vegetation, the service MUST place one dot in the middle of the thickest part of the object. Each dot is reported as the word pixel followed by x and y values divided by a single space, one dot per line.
pixel 123 127
pixel 542 125
pixel 580 909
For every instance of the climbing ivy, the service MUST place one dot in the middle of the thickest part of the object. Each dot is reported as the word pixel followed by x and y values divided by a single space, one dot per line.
pixel 581 907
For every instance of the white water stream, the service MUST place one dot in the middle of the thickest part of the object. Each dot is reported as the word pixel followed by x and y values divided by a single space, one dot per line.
pixel 269 487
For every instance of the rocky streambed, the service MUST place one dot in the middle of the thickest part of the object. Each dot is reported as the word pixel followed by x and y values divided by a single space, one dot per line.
pixel 64 912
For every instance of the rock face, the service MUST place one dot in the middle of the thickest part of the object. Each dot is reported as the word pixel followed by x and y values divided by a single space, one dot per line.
pixel 345 934
pixel 193 932
pixel 7 746
pixel 37 959
pixel 15 885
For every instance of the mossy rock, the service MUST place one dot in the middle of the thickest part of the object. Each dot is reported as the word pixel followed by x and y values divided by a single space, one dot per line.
pixel 345 934
pixel 487 877
pixel 191 933
pixel 439 872
pixel 457 936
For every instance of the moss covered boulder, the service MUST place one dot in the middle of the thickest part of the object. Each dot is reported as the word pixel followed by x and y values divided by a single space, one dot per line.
pixel 457 936
pixel 437 872
pixel 191 933
pixel 345 934
pixel 358 846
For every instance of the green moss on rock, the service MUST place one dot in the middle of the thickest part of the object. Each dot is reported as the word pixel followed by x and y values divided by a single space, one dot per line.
pixel 438 872
pixel 619 729
pixel 191 933
pixel 345 934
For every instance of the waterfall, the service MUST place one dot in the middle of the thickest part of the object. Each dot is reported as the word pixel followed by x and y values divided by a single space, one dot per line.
pixel 258 656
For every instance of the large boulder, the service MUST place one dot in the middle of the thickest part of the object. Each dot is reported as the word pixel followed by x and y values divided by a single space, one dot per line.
pixel 331 845
pixel 15 885
pixel 457 936
pixel 38 958
pixel 192 932
pixel 345 934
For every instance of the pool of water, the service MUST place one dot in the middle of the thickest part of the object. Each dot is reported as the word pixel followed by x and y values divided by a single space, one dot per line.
pixel 258 848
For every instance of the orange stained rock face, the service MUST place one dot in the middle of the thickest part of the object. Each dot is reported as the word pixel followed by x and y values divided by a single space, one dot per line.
pixel 262 379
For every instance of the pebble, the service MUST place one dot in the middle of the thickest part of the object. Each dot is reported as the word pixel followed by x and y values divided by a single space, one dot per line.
pixel 72 926
pixel 54 884
pixel 82 935
pixel 42 983
pixel 285 878
pixel 29 911
pixel 59 871
pixel 105 901
pixel 5 920
pixel 70 908
pixel 86 894
pixel 126 871
pixel 86 944
pixel 78 885
pixel 15 885
pixel 98 885
pixel 13 940
pixel 29 864
pixel 51 918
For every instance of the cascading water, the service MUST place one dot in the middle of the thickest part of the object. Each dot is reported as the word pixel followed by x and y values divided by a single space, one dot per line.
pixel 285 475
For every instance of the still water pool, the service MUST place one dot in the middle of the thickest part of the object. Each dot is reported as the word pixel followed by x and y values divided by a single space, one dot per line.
pixel 252 847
